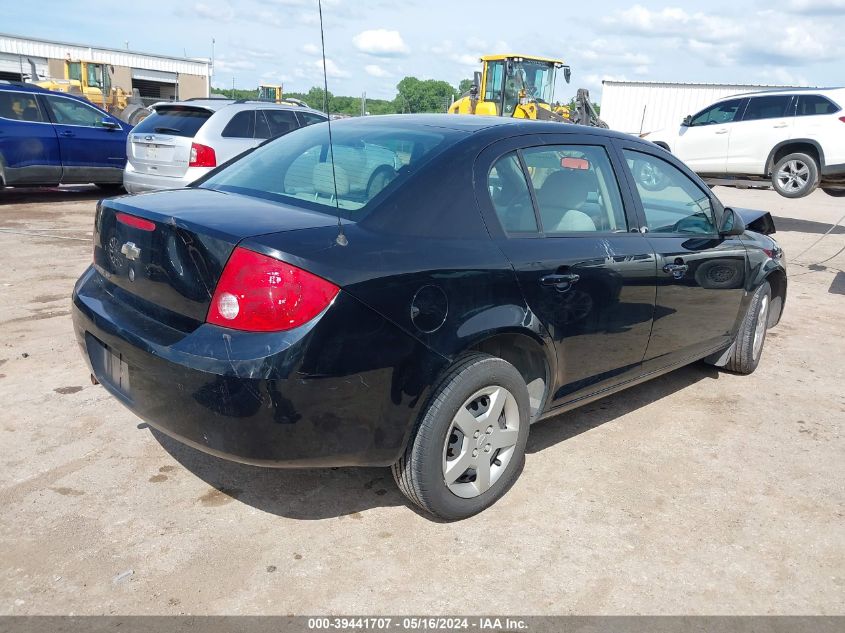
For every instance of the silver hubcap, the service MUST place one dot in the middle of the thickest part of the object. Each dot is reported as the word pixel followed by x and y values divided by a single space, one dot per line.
pixel 760 327
pixel 793 175
pixel 481 441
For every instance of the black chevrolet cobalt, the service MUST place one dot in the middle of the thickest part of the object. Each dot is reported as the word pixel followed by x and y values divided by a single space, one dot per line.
pixel 417 293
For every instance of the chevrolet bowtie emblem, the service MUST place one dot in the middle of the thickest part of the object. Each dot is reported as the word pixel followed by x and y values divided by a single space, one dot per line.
pixel 131 251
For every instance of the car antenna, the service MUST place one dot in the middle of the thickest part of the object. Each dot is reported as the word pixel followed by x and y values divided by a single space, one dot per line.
pixel 341 237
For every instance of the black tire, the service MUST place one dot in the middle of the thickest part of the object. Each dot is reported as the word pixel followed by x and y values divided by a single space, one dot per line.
pixel 109 186
pixel 744 359
pixel 379 180
pixel 649 176
pixel 795 175
pixel 419 473
pixel 836 193
pixel 136 116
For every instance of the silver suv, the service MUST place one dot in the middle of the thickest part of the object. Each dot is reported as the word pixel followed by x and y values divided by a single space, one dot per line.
pixel 184 140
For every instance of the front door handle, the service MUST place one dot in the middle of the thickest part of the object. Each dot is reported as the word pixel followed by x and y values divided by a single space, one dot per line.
pixel 780 125
pixel 66 133
pixel 722 131
pixel 560 281
pixel 676 270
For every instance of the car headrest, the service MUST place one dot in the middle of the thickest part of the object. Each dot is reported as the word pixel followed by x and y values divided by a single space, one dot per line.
pixel 323 179
pixel 567 188
pixel 574 220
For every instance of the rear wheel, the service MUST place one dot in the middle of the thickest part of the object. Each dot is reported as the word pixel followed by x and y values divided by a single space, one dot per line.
pixel 795 175
pixel 748 347
pixel 469 446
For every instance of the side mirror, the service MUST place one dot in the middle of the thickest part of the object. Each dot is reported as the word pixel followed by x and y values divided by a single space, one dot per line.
pixel 732 224
pixel 109 124
pixel 567 73
pixel 687 120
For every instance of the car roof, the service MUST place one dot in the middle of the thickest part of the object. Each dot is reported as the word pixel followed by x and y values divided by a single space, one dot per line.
pixel 215 105
pixel 477 123
pixel 785 91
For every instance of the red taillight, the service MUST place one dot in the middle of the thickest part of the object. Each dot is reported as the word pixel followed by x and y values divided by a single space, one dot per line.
pixel 842 118
pixel 257 293
pixel 202 156
pixel 136 222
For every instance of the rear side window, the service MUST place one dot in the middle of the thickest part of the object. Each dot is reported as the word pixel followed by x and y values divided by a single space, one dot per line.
pixel 242 125
pixel 767 107
pixel 178 121
pixel 575 188
pixel 510 195
pixel 671 201
pixel 20 106
pixel 811 105
pixel 281 121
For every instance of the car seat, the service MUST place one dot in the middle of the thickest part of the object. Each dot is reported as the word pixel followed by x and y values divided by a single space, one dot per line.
pixel 562 199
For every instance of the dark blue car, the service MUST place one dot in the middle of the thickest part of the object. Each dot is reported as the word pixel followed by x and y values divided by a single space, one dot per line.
pixel 50 138
pixel 293 310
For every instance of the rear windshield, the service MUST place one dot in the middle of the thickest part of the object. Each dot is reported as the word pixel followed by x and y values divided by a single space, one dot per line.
pixel 176 120
pixel 370 160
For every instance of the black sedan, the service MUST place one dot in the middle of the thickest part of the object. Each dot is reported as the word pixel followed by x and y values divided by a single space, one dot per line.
pixel 417 293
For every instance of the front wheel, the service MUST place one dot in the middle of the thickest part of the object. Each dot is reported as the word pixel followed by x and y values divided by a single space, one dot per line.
pixel 795 175
pixel 469 446
pixel 748 347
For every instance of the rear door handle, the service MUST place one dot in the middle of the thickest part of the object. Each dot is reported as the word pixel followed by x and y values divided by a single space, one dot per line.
pixel 779 125
pixel 560 282
pixel 66 133
pixel 722 131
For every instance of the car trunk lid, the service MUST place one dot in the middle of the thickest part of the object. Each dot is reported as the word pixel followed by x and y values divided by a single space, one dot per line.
pixel 164 252
pixel 161 143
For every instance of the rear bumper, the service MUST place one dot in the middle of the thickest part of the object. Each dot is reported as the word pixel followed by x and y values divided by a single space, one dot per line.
pixel 343 390
pixel 138 182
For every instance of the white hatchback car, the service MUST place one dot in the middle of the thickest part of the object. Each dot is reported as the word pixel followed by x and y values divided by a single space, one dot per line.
pixel 184 140
pixel 794 137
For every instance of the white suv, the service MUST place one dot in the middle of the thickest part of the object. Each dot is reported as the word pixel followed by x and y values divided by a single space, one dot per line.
pixel 184 140
pixel 794 137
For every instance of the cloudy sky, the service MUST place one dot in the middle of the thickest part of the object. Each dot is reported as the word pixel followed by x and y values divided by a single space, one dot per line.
pixel 372 44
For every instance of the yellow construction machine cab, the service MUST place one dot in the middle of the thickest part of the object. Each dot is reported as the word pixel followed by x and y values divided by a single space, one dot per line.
pixel 513 85
pixel 273 94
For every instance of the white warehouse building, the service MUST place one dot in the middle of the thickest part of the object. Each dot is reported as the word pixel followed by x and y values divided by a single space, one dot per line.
pixel 638 107
pixel 155 76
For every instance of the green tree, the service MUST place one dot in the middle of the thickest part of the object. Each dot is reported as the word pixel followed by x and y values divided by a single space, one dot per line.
pixel 465 86
pixel 428 95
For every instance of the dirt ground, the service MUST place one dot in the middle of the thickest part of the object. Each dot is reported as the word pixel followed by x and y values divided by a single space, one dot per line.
pixel 698 493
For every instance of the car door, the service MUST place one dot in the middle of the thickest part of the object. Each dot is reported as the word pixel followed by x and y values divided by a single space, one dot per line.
pixel 703 144
pixel 766 121
pixel 557 213
pixel 29 149
pixel 92 143
pixel 700 276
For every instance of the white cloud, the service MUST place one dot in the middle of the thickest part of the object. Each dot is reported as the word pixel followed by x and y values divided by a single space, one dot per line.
pixel 311 49
pixel 815 7
pixel 376 71
pixel 381 43
pixel 222 64
pixel 219 13
pixel 332 69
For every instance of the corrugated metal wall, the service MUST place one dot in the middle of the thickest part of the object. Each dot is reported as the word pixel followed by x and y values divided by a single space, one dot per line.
pixel 58 50
pixel 632 107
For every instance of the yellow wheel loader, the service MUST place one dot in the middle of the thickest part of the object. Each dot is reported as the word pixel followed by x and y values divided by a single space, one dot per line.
pixel 522 87
pixel 93 81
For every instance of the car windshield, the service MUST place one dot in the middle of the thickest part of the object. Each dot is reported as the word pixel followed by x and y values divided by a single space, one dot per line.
pixel 369 159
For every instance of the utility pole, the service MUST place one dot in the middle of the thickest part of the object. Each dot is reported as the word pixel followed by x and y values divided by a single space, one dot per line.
pixel 364 103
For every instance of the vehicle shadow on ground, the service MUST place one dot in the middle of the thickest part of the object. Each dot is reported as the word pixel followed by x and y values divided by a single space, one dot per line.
pixel 28 195
pixel 311 494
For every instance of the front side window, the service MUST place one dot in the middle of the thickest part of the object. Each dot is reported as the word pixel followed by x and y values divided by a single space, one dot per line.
pixel 811 105
pixel 20 107
pixel 493 83
pixel 74 71
pixel 671 201
pixel 766 107
pixel 297 167
pixel 724 112
pixel 72 112
pixel 95 75
pixel 575 188
pixel 511 198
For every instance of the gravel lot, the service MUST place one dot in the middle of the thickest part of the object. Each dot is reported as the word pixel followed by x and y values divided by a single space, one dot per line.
pixel 698 493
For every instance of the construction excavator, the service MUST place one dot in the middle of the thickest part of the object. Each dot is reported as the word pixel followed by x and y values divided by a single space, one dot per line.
pixel 522 87
pixel 93 81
